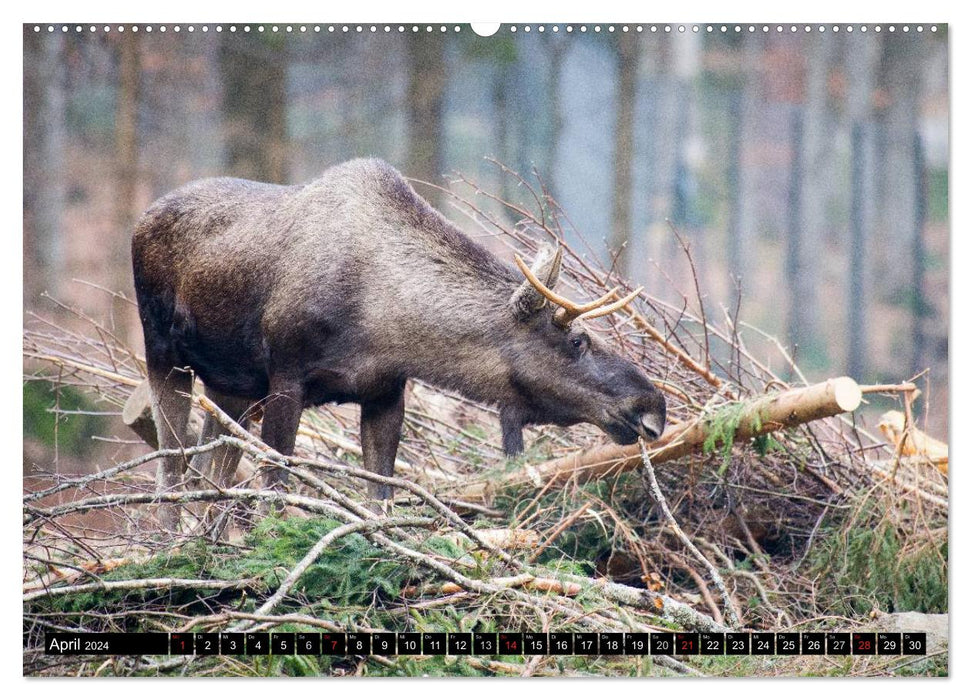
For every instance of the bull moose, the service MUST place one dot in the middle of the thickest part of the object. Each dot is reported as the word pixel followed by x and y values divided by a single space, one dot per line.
pixel 341 290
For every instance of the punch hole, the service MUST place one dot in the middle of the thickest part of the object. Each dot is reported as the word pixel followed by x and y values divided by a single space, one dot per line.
pixel 485 28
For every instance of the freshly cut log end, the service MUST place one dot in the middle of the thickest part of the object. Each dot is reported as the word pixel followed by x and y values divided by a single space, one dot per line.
pixel 846 393
pixel 137 414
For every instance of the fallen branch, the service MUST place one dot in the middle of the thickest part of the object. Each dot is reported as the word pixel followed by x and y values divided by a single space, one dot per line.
pixel 756 417
pixel 730 611
pixel 136 585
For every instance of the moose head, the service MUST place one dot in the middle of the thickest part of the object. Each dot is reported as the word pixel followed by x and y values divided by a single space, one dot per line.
pixel 577 378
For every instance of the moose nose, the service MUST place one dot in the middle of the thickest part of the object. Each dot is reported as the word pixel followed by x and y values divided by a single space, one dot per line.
pixel 653 424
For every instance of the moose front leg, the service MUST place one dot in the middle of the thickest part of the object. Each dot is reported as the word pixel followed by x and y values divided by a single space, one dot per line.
pixel 281 418
pixel 380 433
pixel 511 422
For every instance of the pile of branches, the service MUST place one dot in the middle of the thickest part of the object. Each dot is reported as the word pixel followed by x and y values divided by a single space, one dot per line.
pixel 722 533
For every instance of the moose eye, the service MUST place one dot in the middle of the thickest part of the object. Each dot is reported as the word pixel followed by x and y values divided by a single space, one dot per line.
pixel 580 342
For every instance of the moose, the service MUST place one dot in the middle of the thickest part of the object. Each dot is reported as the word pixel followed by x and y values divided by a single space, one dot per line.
pixel 342 289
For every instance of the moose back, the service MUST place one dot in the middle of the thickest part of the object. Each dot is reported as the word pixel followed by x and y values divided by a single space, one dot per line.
pixel 341 290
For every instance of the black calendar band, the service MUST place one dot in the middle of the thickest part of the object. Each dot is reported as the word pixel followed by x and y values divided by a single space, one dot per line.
pixel 487 643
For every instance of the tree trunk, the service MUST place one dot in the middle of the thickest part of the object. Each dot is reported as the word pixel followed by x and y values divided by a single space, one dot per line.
pixel 809 220
pixel 741 107
pixel 557 50
pixel 628 49
pixel 254 74
pixel 899 225
pixel 426 102
pixel 794 238
pixel 44 145
pixel 126 173
pixel 861 62
pixel 921 307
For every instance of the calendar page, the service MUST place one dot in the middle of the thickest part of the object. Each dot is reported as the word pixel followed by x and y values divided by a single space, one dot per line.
pixel 511 350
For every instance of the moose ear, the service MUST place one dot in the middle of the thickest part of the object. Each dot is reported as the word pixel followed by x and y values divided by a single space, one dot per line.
pixel 527 300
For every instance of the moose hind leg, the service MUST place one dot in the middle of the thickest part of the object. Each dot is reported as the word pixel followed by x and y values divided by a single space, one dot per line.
pixel 380 434
pixel 217 467
pixel 171 403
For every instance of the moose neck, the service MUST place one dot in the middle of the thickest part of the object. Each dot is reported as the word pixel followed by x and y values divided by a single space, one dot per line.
pixel 454 320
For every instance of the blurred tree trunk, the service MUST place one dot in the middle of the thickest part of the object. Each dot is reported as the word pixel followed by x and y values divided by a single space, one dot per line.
pixel 254 75
pixel 668 145
pixel 426 102
pixel 808 222
pixel 628 50
pixel 504 150
pixel 126 172
pixel 900 204
pixel 556 47
pixel 862 53
pixel 921 306
pixel 794 238
pixel 742 105
pixel 44 171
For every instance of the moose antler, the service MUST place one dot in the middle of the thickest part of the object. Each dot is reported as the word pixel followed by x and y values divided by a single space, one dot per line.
pixel 570 311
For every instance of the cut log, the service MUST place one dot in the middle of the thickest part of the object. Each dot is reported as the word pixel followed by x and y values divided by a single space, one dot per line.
pixel 755 417
pixel 137 414
pixel 913 442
